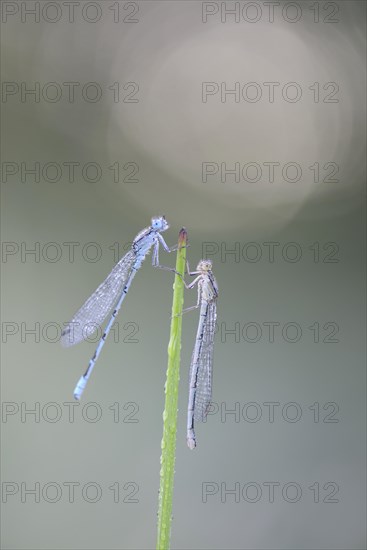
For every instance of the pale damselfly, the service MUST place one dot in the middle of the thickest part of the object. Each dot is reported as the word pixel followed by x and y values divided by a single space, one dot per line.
pixel 111 293
pixel 201 369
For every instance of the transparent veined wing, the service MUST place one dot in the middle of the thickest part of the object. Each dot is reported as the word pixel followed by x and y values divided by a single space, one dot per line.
pixel 205 364
pixel 99 304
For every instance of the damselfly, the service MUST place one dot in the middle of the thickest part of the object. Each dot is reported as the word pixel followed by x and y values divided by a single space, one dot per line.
pixel 201 369
pixel 111 293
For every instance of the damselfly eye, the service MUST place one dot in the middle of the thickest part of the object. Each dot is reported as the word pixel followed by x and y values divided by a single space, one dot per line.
pixel 160 224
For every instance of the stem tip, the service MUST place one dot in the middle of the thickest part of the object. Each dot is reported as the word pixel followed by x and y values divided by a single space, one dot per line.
pixel 182 237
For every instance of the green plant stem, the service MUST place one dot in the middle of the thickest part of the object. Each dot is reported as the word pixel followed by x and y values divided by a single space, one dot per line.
pixel 168 444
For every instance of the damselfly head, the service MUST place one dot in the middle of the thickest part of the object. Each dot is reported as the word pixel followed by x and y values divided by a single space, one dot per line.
pixel 205 266
pixel 160 224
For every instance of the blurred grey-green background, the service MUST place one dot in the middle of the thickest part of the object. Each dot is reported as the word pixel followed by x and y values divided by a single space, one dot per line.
pixel 122 98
